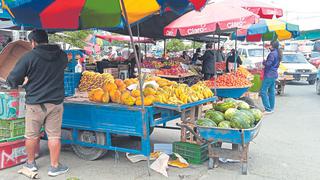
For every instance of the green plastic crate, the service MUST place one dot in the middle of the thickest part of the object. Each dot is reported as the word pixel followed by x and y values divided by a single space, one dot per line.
pixel 193 153
pixel 12 139
pixel 11 128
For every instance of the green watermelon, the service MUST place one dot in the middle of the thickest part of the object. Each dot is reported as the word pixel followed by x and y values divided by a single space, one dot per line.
pixel 205 122
pixel 230 100
pixel 230 113
pixel 243 105
pixel 215 116
pixel 257 114
pixel 239 123
pixel 222 107
pixel 249 114
pixel 224 124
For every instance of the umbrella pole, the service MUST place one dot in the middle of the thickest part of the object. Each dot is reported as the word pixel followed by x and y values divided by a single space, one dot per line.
pixel 141 81
pixel 215 66
pixel 145 50
pixel 236 52
pixel 164 47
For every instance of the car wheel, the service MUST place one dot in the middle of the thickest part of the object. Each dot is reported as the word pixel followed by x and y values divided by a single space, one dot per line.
pixel 318 87
pixel 312 82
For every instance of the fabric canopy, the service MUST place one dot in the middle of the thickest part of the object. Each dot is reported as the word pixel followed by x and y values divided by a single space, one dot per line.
pixel 309 35
pixel 124 38
pixel 85 14
pixel 268 30
pixel 213 17
pixel 264 10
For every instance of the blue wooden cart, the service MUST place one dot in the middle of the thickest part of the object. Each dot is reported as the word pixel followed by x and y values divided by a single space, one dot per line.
pixel 239 138
pixel 90 127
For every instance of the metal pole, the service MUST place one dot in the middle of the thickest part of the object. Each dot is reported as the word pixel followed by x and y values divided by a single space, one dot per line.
pixel 141 81
pixel 236 52
pixel 145 50
pixel 164 47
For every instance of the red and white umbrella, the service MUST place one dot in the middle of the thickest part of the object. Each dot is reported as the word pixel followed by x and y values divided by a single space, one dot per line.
pixel 216 16
pixel 264 10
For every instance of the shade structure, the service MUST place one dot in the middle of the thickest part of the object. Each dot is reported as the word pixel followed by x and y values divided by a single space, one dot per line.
pixel 267 30
pixel 151 27
pixel 85 14
pixel 215 16
pixel 124 38
pixel 309 35
pixel 264 10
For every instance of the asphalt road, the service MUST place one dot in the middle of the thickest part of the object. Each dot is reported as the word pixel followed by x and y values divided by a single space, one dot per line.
pixel 286 148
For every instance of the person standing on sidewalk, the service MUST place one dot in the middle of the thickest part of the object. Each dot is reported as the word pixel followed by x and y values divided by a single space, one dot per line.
pixel 44 67
pixel 271 66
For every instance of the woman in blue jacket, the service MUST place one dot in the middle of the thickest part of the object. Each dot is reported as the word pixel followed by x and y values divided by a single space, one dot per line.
pixel 271 66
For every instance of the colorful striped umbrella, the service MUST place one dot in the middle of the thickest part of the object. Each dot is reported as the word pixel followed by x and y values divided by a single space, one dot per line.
pixel 84 14
pixel 267 30
pixel 264 10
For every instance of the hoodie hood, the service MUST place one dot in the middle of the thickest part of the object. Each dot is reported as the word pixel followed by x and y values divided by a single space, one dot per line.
pixel 48 52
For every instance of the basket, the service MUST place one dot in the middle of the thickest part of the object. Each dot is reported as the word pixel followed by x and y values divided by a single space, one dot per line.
pixel 12 128
pixel 193 153
pixel 231 92
pixel 71 82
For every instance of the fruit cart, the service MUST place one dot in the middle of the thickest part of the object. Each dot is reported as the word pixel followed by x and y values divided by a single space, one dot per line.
pixel 90 127
pixel 281 82
pixel 231 92
pixel 215 137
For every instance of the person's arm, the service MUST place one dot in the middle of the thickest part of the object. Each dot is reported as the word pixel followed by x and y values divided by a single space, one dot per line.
pixel 18 74
pixel 239 61
pixel 269 60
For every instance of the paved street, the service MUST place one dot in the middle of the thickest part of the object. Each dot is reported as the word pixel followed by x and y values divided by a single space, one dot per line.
pixel 286 148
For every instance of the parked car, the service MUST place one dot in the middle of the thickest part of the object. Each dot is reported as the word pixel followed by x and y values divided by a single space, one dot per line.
pixel 252 55
pixel 299 67
pixel 314 59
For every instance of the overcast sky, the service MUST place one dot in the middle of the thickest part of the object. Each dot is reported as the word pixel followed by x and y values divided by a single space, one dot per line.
pixel 305 13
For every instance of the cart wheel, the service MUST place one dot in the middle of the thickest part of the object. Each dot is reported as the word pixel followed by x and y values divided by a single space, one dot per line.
pixel 244 167
pixel 210 163
pixel 90 153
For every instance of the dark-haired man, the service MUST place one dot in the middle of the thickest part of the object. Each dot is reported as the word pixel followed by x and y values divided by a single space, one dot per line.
pixel 44 68
pixel 208 65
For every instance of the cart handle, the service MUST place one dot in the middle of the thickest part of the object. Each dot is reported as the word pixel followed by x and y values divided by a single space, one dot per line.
pixel 192 131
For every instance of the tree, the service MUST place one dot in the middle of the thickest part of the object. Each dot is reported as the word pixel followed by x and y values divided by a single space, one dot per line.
pixel 175 45
pixel 75 38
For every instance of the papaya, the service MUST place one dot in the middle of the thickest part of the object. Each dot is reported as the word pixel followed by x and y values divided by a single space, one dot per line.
pixel 115 96
pixel 135 93
pixel 149 91
pixel 108 87
pixel 105 97
pixel 96 95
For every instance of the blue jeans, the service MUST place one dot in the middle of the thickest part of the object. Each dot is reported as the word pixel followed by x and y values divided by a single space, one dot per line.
pixel 268 93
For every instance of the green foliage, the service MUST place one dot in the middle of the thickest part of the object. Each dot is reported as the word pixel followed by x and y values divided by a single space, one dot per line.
pixel 175 45
pixel 75 38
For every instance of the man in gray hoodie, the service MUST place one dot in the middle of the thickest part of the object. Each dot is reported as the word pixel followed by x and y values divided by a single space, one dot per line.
pixel 44 67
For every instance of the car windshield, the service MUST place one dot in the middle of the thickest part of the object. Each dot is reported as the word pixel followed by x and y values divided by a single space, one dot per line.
pixel 255 52
pixel 315 55
pixel 293 58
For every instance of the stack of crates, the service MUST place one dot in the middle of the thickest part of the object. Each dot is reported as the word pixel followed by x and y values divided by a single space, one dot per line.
pixel 12 128
pixel 71 83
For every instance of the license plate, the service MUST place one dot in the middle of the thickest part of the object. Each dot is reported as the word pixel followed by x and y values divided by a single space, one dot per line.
pixel 303 78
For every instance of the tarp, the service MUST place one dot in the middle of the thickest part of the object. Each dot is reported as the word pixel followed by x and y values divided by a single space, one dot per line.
pixel 111 38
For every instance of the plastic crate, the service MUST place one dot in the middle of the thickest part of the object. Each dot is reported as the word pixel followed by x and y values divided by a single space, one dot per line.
pixel 13 153
pixel 12 139
pixel 193 153
pixel 71 82
pixel 12 104
pixel 12 128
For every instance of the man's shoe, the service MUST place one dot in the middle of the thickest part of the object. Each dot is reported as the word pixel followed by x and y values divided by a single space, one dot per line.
pixel 55 171
pixel 31 167
pixel 267 112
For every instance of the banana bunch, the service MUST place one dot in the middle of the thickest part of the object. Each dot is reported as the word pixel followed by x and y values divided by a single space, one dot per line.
pixel 202 90
pixel 92 80
pixel 164 82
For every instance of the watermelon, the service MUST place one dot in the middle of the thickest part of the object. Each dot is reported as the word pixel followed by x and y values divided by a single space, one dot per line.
pixel 205 122
pixel 243 105
pixel 215 116
pixel 230 100
pixel 249 114
pixel 230 113
pixel 257 114
pixel 239 123
pixel 222 107
pixel 224 124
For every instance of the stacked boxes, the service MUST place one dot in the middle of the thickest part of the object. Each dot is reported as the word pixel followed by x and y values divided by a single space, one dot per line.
pixel 12 128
